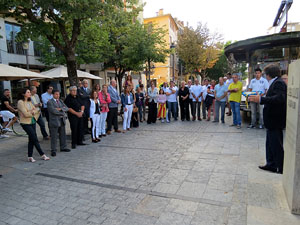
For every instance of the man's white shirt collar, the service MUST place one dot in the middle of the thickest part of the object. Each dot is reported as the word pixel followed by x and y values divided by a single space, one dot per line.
pixel 271 81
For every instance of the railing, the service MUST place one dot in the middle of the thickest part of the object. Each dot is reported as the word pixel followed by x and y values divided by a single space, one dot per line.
pixel 15 47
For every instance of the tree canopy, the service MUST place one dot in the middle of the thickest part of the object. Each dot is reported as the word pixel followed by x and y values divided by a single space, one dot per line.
pixel 198 48
pixel 60 22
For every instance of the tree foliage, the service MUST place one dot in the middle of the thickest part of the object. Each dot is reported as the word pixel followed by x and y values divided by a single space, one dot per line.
pixel 198 48
pixel 133 43
pixel 59 21
pixel 223 66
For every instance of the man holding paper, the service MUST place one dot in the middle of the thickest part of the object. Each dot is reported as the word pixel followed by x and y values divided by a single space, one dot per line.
pixel 274 118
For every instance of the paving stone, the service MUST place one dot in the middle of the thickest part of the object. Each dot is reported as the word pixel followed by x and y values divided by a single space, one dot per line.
pixel 173 219
pixel 189 173
pixel 210 214
pixel 189 189
pixel 166 188
pixel 138 219
pixel 152 206
pixel 182 207
pixel 218 195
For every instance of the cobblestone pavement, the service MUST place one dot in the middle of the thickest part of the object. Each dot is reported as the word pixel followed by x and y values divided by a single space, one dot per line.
pixel 182 173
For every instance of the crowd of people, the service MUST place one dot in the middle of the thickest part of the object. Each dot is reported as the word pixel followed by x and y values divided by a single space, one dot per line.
pixel 95 111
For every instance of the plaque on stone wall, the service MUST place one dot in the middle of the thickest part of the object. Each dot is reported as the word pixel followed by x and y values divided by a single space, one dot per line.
pixel 291 171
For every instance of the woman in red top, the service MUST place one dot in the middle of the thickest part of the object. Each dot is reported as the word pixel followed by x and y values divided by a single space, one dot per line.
pixel 104 98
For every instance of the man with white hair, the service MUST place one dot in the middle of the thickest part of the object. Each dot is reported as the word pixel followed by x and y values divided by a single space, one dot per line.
pixel 75 114
pixel 112 117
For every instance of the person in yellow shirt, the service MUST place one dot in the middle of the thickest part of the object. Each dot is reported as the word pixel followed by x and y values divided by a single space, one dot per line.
pixel 235 90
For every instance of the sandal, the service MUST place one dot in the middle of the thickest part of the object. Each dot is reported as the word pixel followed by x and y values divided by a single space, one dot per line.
pixel 31 159
pixel 44 157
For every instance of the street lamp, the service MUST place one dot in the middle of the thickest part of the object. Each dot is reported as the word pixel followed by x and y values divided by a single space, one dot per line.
pixel 173 46
pixel 25 46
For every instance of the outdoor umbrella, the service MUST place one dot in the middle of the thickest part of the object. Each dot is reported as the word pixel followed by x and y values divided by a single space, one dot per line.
pixel 15 73
pixel 61 72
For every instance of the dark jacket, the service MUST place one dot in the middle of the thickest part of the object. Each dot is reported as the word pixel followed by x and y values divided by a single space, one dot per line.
pixel 275 105
pixel 85 98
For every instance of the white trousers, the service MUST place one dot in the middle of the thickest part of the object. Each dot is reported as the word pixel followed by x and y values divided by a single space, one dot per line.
pixel 103 117
pixel 96 126
pixel 127 117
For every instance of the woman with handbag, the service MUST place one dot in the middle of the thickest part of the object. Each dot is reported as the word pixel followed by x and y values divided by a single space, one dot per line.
pixel 152 96
pixel 28 117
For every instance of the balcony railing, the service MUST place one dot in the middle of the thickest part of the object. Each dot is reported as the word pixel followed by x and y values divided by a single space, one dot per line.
pixel 15 47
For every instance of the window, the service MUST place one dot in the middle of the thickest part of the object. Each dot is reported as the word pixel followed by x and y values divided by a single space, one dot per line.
pixel 13 46
pixel 36 48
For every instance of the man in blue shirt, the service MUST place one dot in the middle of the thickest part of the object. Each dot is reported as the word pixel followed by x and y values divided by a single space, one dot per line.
pixel 220 97
pixel 45 98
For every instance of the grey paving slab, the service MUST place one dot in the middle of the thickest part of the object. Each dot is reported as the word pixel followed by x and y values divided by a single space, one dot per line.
pixel 178 173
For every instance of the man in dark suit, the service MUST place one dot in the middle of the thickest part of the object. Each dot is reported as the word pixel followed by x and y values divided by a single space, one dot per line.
pixel 274 118
pixel 57 120
pixel 84 94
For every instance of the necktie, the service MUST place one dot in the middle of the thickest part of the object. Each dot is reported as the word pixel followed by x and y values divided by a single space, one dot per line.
pixel 57 102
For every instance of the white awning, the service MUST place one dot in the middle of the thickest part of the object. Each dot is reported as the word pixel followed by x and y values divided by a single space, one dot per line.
pixel 15 73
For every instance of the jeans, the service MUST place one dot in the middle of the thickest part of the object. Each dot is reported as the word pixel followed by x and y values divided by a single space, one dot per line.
pixel 127 116
pixel 103 117
pixel 218 105
pixel 41 123
pixel 140 107
pixel 196 107
pixel 256 107
pixel 172 108
pixel 235 107
pixel 32 139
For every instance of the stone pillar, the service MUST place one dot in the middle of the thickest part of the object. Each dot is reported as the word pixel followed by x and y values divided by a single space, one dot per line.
pixel 291 171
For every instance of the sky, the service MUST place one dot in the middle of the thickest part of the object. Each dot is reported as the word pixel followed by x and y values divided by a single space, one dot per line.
pixel 234 19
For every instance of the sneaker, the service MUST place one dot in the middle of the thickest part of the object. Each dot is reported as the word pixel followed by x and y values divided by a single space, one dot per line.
pixel 251 126
pixel 7 130
pixel 261 127
pixel 168 121
pixel 162 120
pixel 238 127
pixel 232 125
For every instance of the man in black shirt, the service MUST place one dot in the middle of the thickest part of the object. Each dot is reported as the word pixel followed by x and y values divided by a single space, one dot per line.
pixel 7 111
pixel 75 114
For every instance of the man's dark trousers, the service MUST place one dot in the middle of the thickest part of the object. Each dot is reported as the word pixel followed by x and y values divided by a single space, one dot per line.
pixel 112 118
pixel 76 125
pixel 274 148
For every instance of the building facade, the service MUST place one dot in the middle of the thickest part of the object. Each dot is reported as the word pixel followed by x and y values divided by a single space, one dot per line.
pixel 165 72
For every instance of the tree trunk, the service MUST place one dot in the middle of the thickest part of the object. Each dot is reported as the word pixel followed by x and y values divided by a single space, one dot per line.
pixel 72 68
